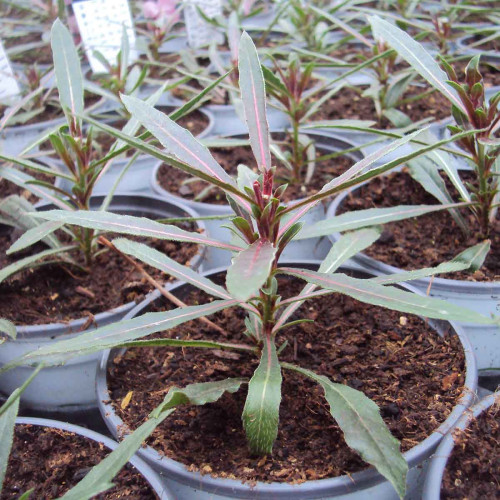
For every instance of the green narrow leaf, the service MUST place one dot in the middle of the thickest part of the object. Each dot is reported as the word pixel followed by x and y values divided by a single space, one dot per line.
pixel 254 101
pixel 472 258
pixel 363 428
pixel 7 423
pixel 160 261
pixel 369 217
pixel 67 68
pixel 34 235
pixel 99 478
pixel 198 394
pixel 416 56
pixel 129 224
pixel 117 334
pixel 390 297
pixel 261 412
pixel 30 260
pixel 8 328
pixel 250 269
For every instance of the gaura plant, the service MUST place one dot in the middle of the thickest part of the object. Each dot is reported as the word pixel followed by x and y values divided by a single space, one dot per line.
pixel 472 111
pixel 264 226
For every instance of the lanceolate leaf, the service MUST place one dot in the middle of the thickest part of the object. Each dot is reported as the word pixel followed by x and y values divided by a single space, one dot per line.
pixel 254 101
pixel 198 394
pixel 117 334
pixel 128 224
pixel 344 248
pixel 417 56
pixel 8 328
pixel 250 269
pixel 387 296
pixel 472 258
pixel 31 260
pixel 160 261
pixel 67 68
pixel 34 235
pixel 7 423
pixel 363 428
pixel 99 478
pixel 369 217
pixel 176 140
pixel 261 411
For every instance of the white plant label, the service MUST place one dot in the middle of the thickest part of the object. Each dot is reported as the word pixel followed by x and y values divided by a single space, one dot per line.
pixel 201 33
pixel 101 26
pixel 8 83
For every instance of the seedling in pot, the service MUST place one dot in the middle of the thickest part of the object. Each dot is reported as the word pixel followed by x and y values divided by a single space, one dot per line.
pixel 473 112
pixel 264 227
pixel 161 17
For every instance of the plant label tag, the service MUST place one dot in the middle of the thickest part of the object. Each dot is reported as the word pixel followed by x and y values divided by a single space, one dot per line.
pixel 101 25
pixel 8 83
pixel 201 33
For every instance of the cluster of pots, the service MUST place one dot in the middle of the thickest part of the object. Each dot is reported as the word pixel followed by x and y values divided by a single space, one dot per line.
pixel 53 390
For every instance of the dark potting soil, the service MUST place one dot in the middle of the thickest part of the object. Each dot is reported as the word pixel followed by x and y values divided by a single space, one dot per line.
pixel 491 45
pixel 473 470
pixel 171 179
pixel 52 461
pixel 9 188
pixel 58 293
pixel 347 103
pixel 424 241
pixel 162 72
pixel 414 375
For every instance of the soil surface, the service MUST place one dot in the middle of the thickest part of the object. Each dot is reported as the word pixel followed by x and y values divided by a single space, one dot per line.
pixel 52 461
pixel 171 179
pixel 414 376
pixel 473 470
pixel 348 103
pixel 425 241
pixel 58 292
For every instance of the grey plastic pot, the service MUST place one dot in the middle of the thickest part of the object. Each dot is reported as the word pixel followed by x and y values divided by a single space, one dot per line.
pixel 464 48
pixel 361 485
pixel 482 297
pixel 307 249
pixel 71 387
pixel 153 479
pixel 432 486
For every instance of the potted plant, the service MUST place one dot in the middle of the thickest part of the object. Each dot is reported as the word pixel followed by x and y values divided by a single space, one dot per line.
pixel 466 462
pixel 477 188
pixel 69 270
pixel 252 283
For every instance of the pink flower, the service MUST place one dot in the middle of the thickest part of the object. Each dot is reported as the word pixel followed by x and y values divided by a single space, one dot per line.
pixel 159 9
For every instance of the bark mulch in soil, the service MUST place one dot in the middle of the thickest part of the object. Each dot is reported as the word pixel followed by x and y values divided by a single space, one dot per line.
pixel 347 103
pixel 59 293
pixel 52 461
pixel 473 470
pixel 414 375
pixel 171 179
pixel 424 241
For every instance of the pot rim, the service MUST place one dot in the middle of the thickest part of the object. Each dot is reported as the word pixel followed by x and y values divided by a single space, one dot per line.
pixel 47 332
pixel 432 485
pixel 341 484
pixel 378 267
pixel 323 138
pixel 142 467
